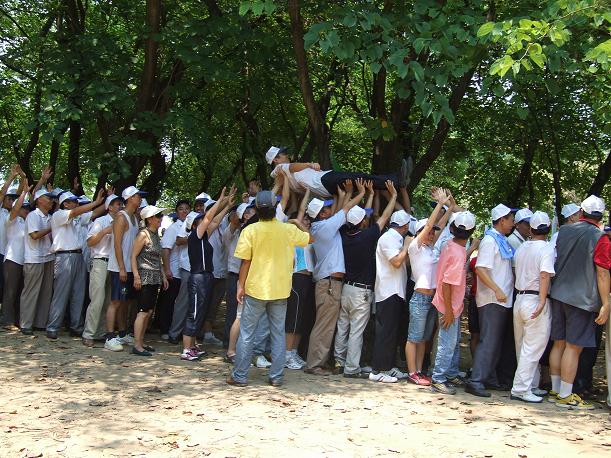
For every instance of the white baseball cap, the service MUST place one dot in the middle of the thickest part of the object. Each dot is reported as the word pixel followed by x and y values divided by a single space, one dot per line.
pixel 316 205
pixel 241 209
pixel 190 218
pixel 26 204
pixel 12 192
pixel 272 152
pixel 151 210
pixel 42 192
pixel 357 214
pixel 593 205
pixel 67 196
pixel 523 214
pixel 56 192
pixel 82 200
pixel 569 209
pixel 400 218
pixel 202 196
pixel 499 211
pixel 209 203
pixel 464 220
pixel 421 223
pixel 109 200
pixel 143 203
pixel 131 191
pixel 539 219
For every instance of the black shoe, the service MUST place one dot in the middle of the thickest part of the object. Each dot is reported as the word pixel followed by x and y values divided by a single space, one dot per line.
pixel 27 332
pixel 52 335
pixel 172 340
pixel 476 391
pixel 229 359
pixel 141 353
pixel 499 387
pixel 363 375
pixel 275 382
pixel 74 333
pixel 148 348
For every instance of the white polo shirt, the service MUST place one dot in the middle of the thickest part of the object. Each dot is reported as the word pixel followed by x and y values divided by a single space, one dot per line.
pixel 424 265
pixel 499 269
pixel 219 254
pixel 38 251
pixel 3 237
pixel 390 280
pixel 103 247
pixel 168 241
pixel 307 178
pixel 230 241
pixel 15 244
pixel 65 230
pixel 532 258
pixel 184 262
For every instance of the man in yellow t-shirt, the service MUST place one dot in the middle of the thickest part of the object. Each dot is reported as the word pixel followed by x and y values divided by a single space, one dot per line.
pixel 266 249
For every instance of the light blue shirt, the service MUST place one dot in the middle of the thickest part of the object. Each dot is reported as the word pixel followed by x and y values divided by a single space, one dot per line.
pixel 328 246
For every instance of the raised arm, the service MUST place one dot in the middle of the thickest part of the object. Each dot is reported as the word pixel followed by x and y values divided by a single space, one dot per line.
pixel 11 177
pixel 99 200
pixel 383 219
pixel 441 197
pixel 356 199
pixel 405 200
pixel 221 212
pixel 299 166
pixel 304 205
pixel 210 214
pixel 18 204
pixel 286 193
pixel 47 173
pixel 370 194
pixel 399 259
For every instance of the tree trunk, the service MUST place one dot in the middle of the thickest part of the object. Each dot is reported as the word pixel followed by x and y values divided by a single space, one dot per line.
pixel 602 177
pixel 523 178
pixel 74 145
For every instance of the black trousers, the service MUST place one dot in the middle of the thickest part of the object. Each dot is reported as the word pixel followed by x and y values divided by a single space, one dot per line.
pixel 387 319
pixel 199 287
pixel 587 360
pixel 493 320
pixel 331 180
pixel 165 305
pixel 231 305
pixel 508 362
pixel 13 278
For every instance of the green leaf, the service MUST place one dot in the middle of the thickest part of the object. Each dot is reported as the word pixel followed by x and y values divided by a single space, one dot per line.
pixel 538 59
pixel 485 29
pixel 375 67
pixel 417 69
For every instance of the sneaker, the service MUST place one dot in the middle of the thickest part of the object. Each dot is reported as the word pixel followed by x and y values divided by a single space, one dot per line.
pixel 366 369
pixel 262 362
pixel 573 401
pixel 213 341
pixel 291 363
pixel 382 377
pixel 425 377
pixel 552 396
pixel 299 359
pixel 456 381
pixel 526 397
pixel 443 388
pixel 113 344
pixel 356 375
pixel 394 372
pixel 127 339
pixel 539 392
pixel 165 337
pixel 200 352
pixel 338 369
pixel 418 379
pixel 189 355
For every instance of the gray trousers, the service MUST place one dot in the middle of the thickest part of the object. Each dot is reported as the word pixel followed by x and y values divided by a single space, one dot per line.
pixel 36 295
pixel 99 293
pixel 69 282
pixel 13 285
pixel 181 306
pixel 493 322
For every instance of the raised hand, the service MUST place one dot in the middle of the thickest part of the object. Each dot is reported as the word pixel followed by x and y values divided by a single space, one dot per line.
pixel 369 186
pixel 390 187
pixel 100 197
pixel 348 187
pixel 340 192
pixel 47 172
pixel 110 191
pixel 315 166
pixel 360 185
pixel 222 195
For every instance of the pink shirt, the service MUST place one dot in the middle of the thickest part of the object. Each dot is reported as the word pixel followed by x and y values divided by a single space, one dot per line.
pixel 452 269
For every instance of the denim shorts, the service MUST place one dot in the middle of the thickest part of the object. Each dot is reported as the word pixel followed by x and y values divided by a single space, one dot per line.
pixel 422 316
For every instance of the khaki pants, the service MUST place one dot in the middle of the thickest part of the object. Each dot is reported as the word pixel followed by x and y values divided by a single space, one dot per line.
pixel 327 294
pixel 36 295
pixel 99 292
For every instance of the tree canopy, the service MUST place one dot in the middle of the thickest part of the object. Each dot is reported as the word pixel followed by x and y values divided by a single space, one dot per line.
pixel 498 100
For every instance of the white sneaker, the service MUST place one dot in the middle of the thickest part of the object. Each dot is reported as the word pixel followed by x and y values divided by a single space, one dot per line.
pixel 128 339
pixel 292 363
pixel 394 372
pixel 165 336
pixel 539 392
pixel 113 344
pixel 262 362
pixel 213 341
pixel 382 377
pixel 527 397
pixel 299 359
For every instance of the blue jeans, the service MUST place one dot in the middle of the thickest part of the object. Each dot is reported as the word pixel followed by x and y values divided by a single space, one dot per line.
pixel 448 352
pixel 262 340
pixel 422 316
pixel 253 310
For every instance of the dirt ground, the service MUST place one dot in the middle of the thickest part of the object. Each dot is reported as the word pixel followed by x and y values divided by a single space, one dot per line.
pixel 62 399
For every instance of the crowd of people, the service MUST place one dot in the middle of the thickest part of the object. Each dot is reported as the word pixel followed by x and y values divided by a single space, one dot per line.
pixel 324 272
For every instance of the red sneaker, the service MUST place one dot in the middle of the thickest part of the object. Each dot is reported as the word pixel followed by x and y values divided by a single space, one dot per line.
pixel 418 379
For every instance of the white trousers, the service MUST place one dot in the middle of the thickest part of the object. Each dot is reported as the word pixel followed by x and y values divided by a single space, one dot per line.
pixel 531 338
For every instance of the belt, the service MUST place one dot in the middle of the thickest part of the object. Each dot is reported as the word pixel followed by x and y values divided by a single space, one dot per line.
pixel 359 285
pixel 68 251
pixel 529 291
pixel 101 259
pixel 333 278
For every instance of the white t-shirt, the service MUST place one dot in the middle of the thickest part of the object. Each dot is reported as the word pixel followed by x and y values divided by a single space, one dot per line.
pixel 38 251
pixel 307 178
pixel 3 237
pixel 219 254
pixel 489 256
pixel 183 260
pixel 389 279
pixel 15 244
pixel 230 241
pixel 65 231
pixel 103 247
pixel 424 265
pixel 168 241
pixel 532 258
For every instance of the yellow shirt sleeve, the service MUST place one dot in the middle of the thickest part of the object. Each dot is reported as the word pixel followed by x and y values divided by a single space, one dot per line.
pixel 243 249
pixel 297 236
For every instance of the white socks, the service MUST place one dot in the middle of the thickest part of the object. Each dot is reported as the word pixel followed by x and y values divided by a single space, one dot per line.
pixel 565 389
pixel 555 383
